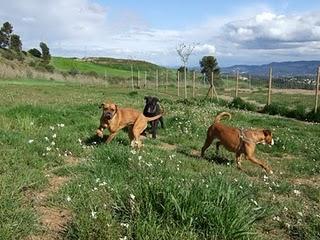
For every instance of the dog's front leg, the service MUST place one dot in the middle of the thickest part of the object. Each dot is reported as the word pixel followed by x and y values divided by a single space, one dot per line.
pixel 111 136
pixel 99 131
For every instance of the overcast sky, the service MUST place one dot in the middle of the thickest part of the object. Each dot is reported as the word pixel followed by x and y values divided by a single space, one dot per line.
pixel 236 32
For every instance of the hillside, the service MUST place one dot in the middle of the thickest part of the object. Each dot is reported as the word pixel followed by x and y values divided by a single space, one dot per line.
pixel 102 65
pixel 298 68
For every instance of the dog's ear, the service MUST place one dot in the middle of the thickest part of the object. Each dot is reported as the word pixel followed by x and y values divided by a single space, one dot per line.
pixel 116 107
pixel 156 99
pixel 146 97
pixel 266 132
pixel 101 105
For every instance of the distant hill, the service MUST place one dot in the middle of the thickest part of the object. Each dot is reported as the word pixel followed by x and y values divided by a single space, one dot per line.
pixel 279 69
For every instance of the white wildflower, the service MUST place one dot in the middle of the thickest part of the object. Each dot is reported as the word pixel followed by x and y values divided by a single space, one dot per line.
pixel 46 138
pixel 68 198
pixel 126 225
pixel 51 128
pixel 93 214
pixel 48 149
pixel 30 141
pixel 132 196
pixel 297 192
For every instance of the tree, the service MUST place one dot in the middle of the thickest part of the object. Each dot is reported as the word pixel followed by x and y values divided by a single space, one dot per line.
pixel 184 51
pixel 45 53
pixel 15 43
pixel 209 65
pixel 5 33
pixel 35 52
pixel 181 69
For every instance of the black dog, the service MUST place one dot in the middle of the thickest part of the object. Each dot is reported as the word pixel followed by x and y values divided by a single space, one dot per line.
pixel 151 109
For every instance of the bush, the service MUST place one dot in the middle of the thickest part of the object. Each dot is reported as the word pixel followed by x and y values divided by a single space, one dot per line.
pixel 239 103
pixel 315 117
pixel 35 52
pixel 93 74
pixel 7 54
pixel 73 71
pixel 275 109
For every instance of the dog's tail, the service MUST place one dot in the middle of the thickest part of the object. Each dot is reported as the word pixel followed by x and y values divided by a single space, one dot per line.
pixel 153 118
pixel 220 115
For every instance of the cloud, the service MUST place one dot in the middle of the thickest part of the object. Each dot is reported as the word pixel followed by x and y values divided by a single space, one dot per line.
pixel 270 31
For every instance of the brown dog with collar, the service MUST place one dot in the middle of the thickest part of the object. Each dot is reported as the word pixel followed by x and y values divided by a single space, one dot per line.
pixel 114 119
pixel 237 141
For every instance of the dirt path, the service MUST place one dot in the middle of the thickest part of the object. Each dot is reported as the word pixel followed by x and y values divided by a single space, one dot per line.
pixel 52 219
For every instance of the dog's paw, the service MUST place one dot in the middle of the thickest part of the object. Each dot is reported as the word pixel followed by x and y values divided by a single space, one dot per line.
pixel 99 133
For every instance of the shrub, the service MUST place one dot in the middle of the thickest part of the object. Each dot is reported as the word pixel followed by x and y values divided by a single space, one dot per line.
pixel 93 74
pixel 275 109
pixel 35 52
pixel 73 71
pixel 7 54
pixel 239 103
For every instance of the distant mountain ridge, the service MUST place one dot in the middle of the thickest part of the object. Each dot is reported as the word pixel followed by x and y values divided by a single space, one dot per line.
pixel 279 69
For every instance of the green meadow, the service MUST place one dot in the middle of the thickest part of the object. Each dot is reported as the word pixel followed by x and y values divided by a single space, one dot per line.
pixel 58 181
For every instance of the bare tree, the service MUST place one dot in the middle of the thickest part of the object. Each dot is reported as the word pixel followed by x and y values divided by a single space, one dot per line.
pixel 184 51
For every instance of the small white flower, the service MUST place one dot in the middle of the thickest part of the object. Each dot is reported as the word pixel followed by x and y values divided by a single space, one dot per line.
pixel 277 218
pixel 220 173
pixel 46 138
pixel 51 128
pixel 300 214
pixel 32 123
pixel 79 140
pixel 132 196
pixel 133 151
pixel 93 214
pixel 285 208
pixel 53 143
pixel 126 225
pixel 68 198
pixel 123 238
pixel 30 141
pixel 287 225
pixel 48 149
pixel 297 192
pixel 139 157
pixel 97 180
pixel 54 135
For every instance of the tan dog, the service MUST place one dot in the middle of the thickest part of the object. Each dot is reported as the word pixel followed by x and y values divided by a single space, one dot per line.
pixel 114 118
pixel 237 140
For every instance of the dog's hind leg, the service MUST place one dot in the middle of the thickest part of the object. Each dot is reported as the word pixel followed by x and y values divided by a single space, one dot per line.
pixel 217 147
pixel 207 143
pixel 238 161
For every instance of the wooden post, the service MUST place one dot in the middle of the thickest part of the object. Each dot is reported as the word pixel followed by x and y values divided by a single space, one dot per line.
pixel 237 83
pixel 270 86
pixel 132 84
pixel 185 81
pixel 145 79
pixel 193 83
pixel 178 82
pixel 138 80
pixel 157 80
pixel 211 85
pixel 167 81
pixel 317 91
pixel 105 75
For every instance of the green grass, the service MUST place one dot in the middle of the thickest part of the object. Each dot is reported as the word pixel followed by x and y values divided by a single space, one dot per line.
pixel 155 193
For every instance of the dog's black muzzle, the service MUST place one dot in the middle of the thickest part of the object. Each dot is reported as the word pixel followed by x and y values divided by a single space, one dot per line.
pixel 108 115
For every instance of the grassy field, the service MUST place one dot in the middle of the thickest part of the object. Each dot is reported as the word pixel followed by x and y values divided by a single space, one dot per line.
pixel 58 181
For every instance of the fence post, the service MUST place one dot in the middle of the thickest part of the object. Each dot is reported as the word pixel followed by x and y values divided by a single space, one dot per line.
pixel 145 79
pixel 167 81
pixel 211 85
pixel 132 84
pixel 193 83
pixel 178 82
pixel 317 91
pixel 185 82
pixel 270 86
pixel 138 80
pixel 237 83
pixel 157 80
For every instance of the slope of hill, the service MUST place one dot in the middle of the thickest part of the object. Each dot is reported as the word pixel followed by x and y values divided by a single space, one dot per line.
pixel 298 68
